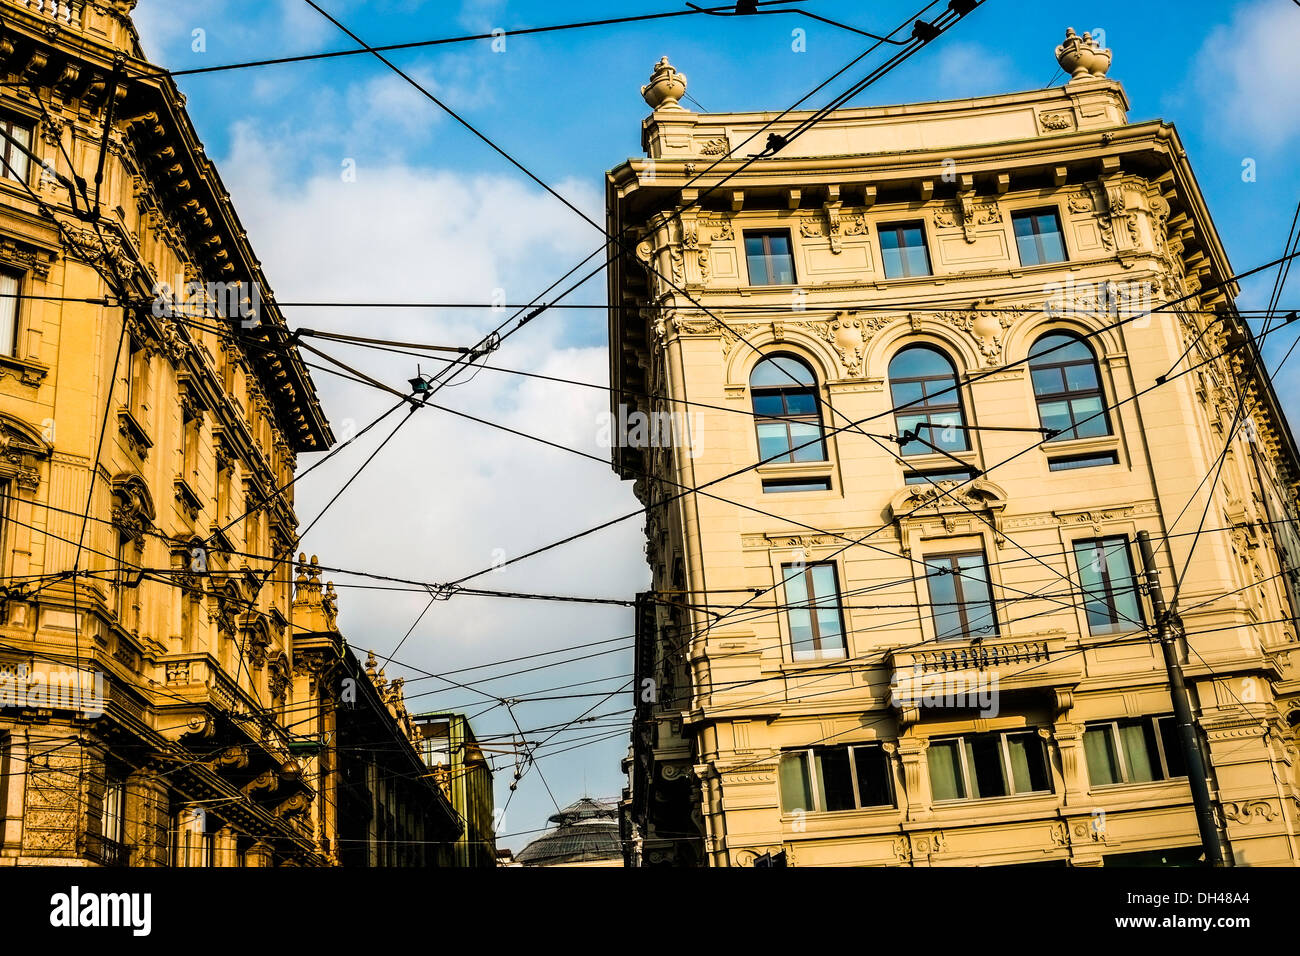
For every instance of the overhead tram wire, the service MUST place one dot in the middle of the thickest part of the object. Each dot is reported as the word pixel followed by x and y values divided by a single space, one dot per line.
pixel 495 35
pixel 487 339
pixel 932 31
pixel 509 158
pixel 888 412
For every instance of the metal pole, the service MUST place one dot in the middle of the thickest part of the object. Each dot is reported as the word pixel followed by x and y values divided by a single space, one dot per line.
pixel 1187 735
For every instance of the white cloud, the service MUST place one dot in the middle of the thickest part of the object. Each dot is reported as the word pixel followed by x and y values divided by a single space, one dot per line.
pixel 448 497
pixel 1249 75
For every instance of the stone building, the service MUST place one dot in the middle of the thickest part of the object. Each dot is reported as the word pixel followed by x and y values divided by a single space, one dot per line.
pixel 461 770
pixel 899 621
pixel 156 681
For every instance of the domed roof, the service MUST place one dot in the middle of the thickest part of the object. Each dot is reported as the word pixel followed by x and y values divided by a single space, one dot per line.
pixel 587 832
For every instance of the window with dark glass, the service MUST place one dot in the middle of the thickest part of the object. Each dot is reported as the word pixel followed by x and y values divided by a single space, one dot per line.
pixel 931 477
pixel 1067 387
pixel 903 250
pixel 1073 462
pixel 980 766
pixel 783 486
pixel 786 413
pixel 16 140
pixel 960 597
pixel 923 388
pixel 1109 588
pixel 769 257
pixel 1139 750
pixel 812 599
pixel 1039 239
pixel 826 779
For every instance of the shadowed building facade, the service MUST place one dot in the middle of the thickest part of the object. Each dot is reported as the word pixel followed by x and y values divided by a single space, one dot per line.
pixel 900 621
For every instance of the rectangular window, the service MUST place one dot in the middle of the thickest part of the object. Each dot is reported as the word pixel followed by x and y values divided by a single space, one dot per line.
pixel 902 247
pixel 769 257
pixel 927 477
pixel 16 140
pixel 981 766
pixel 1139 750
pixel 1039 239
pixel 113 821
pixel 812 598
pixel 960 596
pixel 1109 588
pixel 10 286
pixel 775 486
pixel 1082 461
pixel 828 779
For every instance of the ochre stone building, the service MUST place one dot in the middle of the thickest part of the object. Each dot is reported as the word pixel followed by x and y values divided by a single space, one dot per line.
pixel 164 699
pixel 926 415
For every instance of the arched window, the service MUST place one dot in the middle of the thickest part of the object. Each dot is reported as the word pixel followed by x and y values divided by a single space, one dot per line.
pixel 923 388
pixel 784 390
pixel 1067 387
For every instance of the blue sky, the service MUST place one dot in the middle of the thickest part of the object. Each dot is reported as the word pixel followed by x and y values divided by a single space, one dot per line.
pixel 433 214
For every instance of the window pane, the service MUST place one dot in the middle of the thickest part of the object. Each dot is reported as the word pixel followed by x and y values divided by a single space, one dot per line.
pixel 8 313
pixel 1028 767
pixel 773 440
pixel 1080 376
pixel 945 770
pixel 1047 381
pixel 795 791
pixel 904 392
pixel 1174 761
pixel 781 371
pixel 984 758
pixel 872 765
pixel 1055 415
pixel 801 403
pixel 1138 740
pixel 804 442
pixel 769 259
pixel 1052 246
pixel 1103 761
pixel 943 599
pixel 768 403
pixel 834 779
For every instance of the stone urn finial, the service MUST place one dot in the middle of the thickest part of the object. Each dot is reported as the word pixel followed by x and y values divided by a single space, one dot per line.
pixel 1082 56
pixel 665 88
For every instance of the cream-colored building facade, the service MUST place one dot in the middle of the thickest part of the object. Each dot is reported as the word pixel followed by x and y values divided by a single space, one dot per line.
pixel 937 652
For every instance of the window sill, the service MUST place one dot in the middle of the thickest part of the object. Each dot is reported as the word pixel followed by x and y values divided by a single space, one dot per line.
pixel 134 432
pixel 1106 788
pixel 815 659
pixel 933 461
pixel 1069 448
pixel 887 810
pixel 1009 798
pixel 794 469
pixel 26 371
pixel 188 499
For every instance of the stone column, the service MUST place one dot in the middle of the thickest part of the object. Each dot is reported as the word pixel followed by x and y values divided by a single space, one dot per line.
pixel 147 819
pixel 224 850
pixel 258 855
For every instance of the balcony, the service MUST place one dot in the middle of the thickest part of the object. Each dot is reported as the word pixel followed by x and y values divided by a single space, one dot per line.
pixel 961 670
